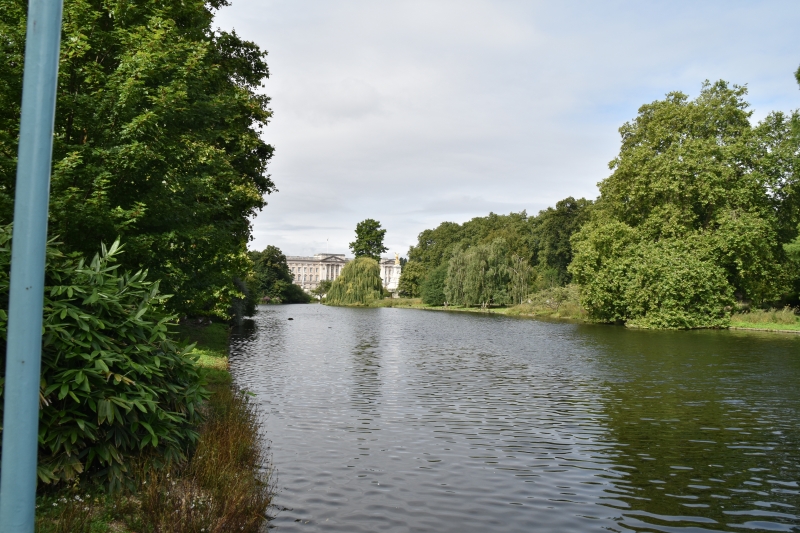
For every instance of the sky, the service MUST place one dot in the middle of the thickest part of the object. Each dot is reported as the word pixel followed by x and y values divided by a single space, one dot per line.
pixel 418 112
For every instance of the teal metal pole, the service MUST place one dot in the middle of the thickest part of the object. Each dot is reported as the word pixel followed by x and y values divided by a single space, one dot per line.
pixel 26 293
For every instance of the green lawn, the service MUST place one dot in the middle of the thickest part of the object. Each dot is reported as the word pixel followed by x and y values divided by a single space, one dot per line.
pixel 212 348
pixel 765 326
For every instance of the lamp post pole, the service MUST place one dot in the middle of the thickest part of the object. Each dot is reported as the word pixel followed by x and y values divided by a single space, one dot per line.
pixel 26 291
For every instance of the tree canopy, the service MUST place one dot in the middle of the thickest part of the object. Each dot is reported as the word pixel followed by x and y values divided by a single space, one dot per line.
pixel 369 239
pixel 701 211
pixel 157 140
pixel 271 279
pixel 358 284
pixel 689 216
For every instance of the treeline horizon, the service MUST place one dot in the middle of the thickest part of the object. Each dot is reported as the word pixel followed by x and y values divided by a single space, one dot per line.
pixel 698 217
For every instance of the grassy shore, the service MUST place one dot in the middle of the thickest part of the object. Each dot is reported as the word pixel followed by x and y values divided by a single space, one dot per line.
pixel 777 320
pixel 566 310
pixel 225 485
pixel 772 320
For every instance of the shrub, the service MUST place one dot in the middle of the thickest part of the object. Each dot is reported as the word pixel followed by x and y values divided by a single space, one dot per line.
pixel 664 284
pixel 113 383
pixel 358 284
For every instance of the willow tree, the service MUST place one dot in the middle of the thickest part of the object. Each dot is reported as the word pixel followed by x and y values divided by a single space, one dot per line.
pixel 358 284
pixel 478 275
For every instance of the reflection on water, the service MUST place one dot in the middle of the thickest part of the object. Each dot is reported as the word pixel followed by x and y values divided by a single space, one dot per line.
pixel 403 420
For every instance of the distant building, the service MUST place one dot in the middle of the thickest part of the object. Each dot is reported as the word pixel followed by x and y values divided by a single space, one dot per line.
pixel 309 271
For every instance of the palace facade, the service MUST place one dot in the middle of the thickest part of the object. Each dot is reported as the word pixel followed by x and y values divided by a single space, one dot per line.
pixel 309 271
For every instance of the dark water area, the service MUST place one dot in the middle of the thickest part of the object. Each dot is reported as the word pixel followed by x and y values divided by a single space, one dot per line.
pixel 399 420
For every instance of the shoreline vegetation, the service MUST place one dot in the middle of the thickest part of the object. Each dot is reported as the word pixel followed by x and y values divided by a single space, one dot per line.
pixel 225 484
pixel 771 321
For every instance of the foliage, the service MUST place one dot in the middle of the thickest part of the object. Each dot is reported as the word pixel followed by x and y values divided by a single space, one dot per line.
pixel 369 239
pixel 552 230
pixel 411 277
pixel 294 294
pixel 397 302
pixel 686 219
pixel 157 140
pixel 666 284
pixel 521 276
pixel 555 297
pixel 358 284
pixel 322 288
pixel 226 484
pixel 792 249
pixel 435 246
pixel 542 241
pixel 271 279
pixel 113 382
pixel 478 275
pixel 432 288
pixel 553 301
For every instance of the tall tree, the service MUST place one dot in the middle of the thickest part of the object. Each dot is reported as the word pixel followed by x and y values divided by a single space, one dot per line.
pixel 271 277
pixel 358 284
pixel 157 140
pixel 411 277
pixel 478 275
pixel 552 230
pixel 369 239
pixel 686 191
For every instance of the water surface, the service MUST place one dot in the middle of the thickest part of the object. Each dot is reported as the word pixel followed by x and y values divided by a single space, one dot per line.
pixel 407 420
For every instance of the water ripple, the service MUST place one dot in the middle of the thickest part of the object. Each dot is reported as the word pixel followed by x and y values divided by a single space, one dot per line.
pixel 398 420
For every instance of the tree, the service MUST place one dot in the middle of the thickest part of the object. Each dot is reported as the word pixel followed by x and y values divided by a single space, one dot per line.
pixel 520 273
pixel 411 278
pixel 271 278
pixel 157 140
pixel 686 191
pixel 358 284
pixel 434 246
pixel 432 287
pixel 478 275
pixel 322 289
pixel 369 239
pixel 552 230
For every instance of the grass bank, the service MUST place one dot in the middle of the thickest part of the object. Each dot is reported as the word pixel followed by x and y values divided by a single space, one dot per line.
pixel 225 485
pixel 566 310
pixel 778 320
pixel 563 303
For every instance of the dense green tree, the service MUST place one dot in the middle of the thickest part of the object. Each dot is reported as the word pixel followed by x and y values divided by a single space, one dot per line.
pixel 157 140
pixel 411 278
pixel 369 239
pixel 271 278
pixel 432 287
pixel 434 246
pixel 686 190
pixel 552 230
pixel 358 284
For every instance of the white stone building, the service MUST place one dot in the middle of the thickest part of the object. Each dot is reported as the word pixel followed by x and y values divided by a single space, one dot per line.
pixel 309 271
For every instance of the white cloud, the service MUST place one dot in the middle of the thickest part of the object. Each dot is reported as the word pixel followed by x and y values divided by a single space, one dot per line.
pixel 417 112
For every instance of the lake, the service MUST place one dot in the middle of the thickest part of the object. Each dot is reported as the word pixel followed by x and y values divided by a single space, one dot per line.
pixel 399 420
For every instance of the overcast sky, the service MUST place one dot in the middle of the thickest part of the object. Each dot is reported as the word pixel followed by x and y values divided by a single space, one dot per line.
pixel 413 113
